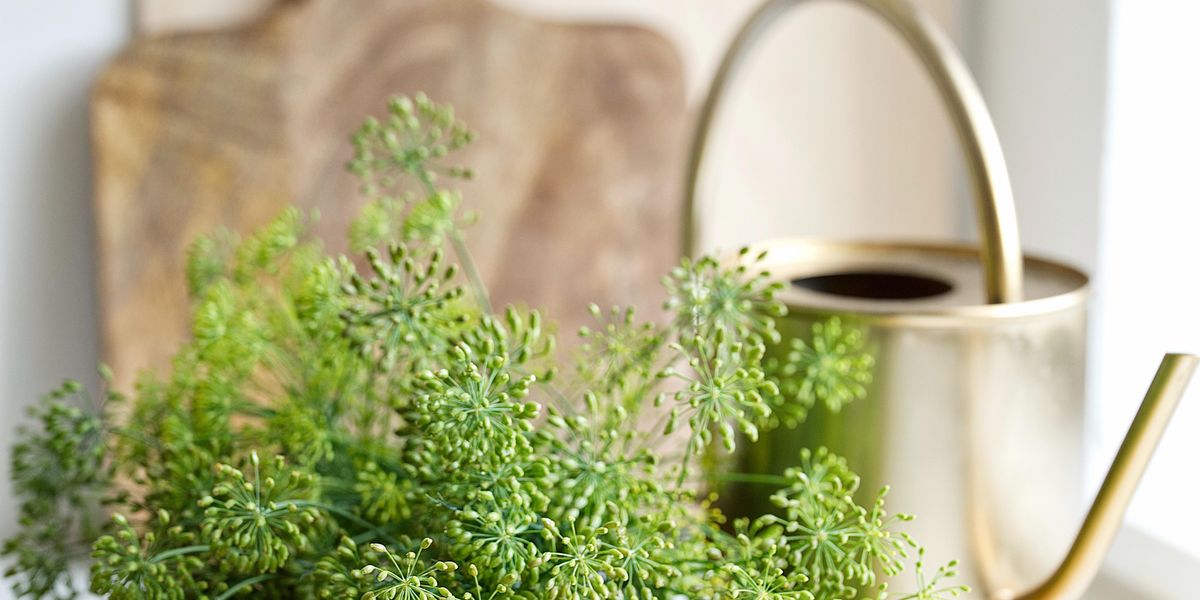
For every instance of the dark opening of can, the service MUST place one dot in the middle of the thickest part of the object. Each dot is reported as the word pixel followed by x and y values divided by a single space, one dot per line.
pixel 879 285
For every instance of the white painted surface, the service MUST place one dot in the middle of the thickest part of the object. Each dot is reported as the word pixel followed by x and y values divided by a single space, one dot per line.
pixel 1043 68
pixel 1147 284
pixel 50 50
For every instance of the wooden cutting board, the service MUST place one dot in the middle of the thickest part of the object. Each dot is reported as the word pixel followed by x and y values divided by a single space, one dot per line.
pixel 581 131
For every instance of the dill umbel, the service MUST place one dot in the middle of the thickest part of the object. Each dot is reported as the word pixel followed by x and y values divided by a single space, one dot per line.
pixel 372 430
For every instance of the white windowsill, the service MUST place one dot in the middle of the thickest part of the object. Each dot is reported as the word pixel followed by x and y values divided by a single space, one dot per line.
pixel 1143 567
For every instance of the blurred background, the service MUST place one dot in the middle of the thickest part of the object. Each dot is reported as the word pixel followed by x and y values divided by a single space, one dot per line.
pixel 832 130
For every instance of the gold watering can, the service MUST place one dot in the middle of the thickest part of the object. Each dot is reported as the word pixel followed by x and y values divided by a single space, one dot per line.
pixel 975 411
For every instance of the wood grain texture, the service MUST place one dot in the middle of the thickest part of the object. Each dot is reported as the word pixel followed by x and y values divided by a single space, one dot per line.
pixel 581 129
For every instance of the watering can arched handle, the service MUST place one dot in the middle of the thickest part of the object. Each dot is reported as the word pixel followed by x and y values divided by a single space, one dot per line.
pixel 1001 248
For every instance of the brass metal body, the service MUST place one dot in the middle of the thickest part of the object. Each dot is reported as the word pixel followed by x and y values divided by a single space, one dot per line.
pixel 975 413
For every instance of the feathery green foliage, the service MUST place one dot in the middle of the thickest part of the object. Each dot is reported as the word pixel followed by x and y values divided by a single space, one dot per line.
pixel 425 447
pixel 833 369
pixel 58 472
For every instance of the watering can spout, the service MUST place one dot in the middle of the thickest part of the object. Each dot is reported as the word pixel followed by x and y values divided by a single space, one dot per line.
pixel 1083 560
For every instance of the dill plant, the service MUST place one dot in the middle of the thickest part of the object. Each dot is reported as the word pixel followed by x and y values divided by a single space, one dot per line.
pixel 369 430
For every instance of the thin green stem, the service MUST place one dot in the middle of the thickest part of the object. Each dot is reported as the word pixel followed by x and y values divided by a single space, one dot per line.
pixel 173 552
pixel 243 584
pixel 750 478
pixel 464 255
pixel 371 527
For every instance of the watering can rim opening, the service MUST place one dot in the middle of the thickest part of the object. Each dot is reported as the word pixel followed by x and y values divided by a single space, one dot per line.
pixel 1066 287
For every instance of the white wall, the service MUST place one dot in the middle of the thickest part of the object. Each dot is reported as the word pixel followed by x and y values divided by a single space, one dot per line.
pixel 832 129
pixel 1148 290
pixel 1043 68
pixel 49 52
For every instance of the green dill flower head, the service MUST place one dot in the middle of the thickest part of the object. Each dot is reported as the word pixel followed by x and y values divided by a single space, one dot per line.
pixel 340 574
pixel 157 566
pixel 432 220
pixel 261 252
pixel 819 483
pixel 258 524
pixel 647 549
pixel 413 415
pixel 739 300
pixel 837 544
pixel 68 452
pixel 314 289
pixel 473 410
pixel 208 259
pixel 619 351
pixel 581 563
pixel 301 428
pixel 833 369
pixel 385 495
pixel 415 220
pixel 724 388
pixel 759 574
pixel 523 338
pixel 58 469
pixel 498 538
pixel 935 587
pixel 229 339
pixel 600 473
pixel 408 577
pixel 407 312
pixel 413 140
pixel 380 221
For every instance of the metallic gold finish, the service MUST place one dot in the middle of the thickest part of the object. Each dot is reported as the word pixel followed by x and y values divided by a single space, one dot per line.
pixel 975 414
pixel 1083 561
pixel 1001 255
pixel 1050 286
pixel 976 409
